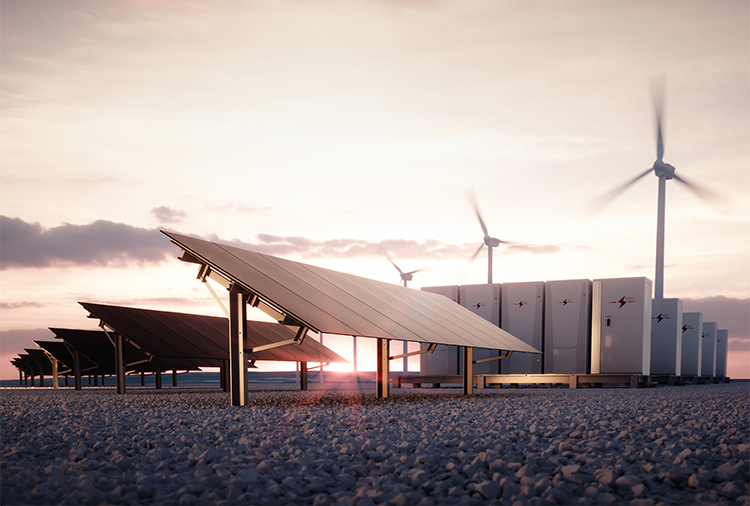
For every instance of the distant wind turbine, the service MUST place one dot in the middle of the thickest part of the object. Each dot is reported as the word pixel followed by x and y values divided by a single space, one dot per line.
pixel 664 172
pixel 490 242
pixel 405 276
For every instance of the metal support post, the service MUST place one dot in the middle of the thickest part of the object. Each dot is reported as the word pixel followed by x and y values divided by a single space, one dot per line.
pixel 77 369
pixel 406 359
pixel 41 374
pixel 225 375
pixel 383 373
pixel 237 337
pixel 354 353
pixel 143 378
pixel 55 376
pixel 468 370
pixel 119 364
pixel 303 375
pixel 157 377
pixel 174 377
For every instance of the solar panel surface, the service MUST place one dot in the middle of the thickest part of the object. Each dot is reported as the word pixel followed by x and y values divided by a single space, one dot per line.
pixel 337 303
pixel 203 340
pixel 98 353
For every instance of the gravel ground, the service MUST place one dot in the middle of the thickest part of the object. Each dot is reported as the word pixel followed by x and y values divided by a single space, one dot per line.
pixel 665 445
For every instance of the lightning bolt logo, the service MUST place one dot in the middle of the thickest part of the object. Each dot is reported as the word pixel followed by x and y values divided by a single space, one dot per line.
pixel 521 303
pixel 565 302
pixel 661 317
pixel 623 300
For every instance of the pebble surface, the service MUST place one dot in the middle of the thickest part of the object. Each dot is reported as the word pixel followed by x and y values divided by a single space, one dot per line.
pixel 664 445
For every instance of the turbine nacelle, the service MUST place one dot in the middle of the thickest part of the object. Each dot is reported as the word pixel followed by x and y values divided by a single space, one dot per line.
pixel 492 242
pixel 662 169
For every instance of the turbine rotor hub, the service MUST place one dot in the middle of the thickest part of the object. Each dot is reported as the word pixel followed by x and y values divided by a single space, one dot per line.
pixel 662 169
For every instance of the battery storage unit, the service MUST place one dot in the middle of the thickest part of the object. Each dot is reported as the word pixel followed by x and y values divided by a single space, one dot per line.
pixel 483 300
pixel 692 343
pixel 722 340
pixel 708 358
pixel 522 315
pixel 666 337
pixel 445 359
pixel 567 326
pixel 621 326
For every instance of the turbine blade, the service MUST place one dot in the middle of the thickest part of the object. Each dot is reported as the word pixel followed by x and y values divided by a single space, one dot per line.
pixel 602 201
pixel 474 256
pixel 657 91
pixel 465 270
pixel 709 196
pixel 394 264
pixel 473 201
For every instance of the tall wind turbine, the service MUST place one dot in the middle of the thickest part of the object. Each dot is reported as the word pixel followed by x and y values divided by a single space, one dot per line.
pixel 490 242
pixel 664 172
pixel 405 276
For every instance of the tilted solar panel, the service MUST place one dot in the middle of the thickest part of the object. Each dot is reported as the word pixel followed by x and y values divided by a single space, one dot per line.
pixel 336 303
pixel 203 340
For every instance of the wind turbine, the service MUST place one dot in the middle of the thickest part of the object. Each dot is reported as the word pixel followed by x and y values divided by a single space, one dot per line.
pixel 664 172
pixel 490 242
pixel 405 276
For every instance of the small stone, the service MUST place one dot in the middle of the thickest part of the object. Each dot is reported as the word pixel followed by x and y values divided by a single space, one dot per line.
pixel 488 489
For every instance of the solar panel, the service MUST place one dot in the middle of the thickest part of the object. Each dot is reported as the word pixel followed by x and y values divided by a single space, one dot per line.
pixel 98 353
pixel 336 303
pixel 203 340
pixel 59 350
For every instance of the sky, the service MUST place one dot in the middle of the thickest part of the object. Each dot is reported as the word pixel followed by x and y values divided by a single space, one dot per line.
pixel 336 133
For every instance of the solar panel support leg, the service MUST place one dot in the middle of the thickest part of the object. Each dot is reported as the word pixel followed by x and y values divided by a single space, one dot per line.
pixel 303 375
pixel 41 375
pixel 119 364
pixel 225 375
pixel 237 341
pixel 143 378
pixel 174 377
pixel 157 377
pixel 468 370
pixel 383 373
pixel 55 376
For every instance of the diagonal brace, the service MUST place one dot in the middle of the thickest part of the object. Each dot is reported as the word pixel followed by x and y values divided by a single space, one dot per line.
pixel 507 355
pixel 430 349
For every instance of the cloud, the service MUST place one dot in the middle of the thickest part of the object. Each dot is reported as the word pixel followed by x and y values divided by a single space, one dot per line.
pixel 20 305
pixel 101 243
pixel 429 249
pixel 108 244
pixel 537 249
pixel 168 215
pixel 728 313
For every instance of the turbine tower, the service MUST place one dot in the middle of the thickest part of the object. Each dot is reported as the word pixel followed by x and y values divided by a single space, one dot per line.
pixel 664 172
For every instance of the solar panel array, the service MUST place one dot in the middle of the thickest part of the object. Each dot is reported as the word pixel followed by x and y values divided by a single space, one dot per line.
pixel 182 340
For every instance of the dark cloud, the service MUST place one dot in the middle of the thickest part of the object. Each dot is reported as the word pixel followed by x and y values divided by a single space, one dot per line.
pixel 168 215
pixel 105 243
pixel 101 243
